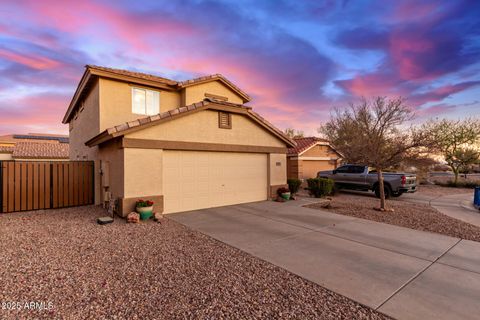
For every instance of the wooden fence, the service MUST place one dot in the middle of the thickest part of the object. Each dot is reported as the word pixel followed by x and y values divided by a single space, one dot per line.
pixel 32 185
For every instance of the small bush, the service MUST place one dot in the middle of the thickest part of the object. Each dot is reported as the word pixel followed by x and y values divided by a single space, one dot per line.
pixel 294 185
pixel 461 184
pixel 320 187
pixel 282 190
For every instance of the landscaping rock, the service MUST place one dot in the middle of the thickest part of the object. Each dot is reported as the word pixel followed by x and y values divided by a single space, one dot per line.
pixel 324 203
pixel 104 220
pixel 157 216
pixel 401 213
pixel 133 217
pixel 147 271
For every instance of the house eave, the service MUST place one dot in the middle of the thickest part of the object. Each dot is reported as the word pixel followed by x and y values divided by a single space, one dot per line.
pixel 146 122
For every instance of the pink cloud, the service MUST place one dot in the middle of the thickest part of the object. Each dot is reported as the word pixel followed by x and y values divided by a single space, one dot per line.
pixel 30 60
pixel 405 52
pixel 440 93
pixel 109 22
pixel 33 112
pixel 374 84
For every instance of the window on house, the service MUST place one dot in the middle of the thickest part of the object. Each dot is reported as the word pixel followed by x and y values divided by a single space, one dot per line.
pixel 145 101
pixel 224 120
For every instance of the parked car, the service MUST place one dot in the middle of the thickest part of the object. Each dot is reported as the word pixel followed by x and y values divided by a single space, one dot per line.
pixel 358 177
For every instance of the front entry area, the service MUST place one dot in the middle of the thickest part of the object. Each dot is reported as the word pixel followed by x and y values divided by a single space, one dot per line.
pixel 200 179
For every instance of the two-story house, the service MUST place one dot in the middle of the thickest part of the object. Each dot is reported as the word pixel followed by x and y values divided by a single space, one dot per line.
pixel 185 145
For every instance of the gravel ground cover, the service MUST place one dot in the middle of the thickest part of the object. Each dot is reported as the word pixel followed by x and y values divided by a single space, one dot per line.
pixel 409 215
pixel 434 190
pixel 146 271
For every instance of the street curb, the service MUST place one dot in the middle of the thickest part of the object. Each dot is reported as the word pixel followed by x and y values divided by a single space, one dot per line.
pixel 470 206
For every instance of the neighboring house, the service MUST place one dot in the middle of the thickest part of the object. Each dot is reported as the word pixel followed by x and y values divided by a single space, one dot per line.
pixel 309 156
pixel 34 147
pixel 185 145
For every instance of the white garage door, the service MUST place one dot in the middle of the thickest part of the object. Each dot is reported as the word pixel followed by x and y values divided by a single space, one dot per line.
pixel 195 180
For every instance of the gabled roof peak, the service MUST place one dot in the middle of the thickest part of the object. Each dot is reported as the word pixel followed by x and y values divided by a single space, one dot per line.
pixel 305 143
pixel 141 78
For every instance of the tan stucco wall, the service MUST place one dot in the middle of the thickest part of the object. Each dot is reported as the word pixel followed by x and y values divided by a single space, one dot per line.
pixel 86 126
pixel 202 126
pixel 116 102
pixel 320 151
pixel 310 168
pixel 113 157
pixel 196 93
pixel 143 172
pixel 277 173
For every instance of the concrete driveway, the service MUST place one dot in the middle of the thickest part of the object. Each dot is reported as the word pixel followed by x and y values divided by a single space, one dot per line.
pixel 404 273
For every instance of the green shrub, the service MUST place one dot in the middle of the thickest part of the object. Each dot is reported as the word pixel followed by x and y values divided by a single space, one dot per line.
pixel 294 185
pixel 320 187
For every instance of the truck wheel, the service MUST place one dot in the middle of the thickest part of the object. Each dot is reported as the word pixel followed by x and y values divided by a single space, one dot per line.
pixel 387 189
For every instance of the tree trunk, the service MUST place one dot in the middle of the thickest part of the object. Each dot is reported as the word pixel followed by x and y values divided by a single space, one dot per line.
pixel 381 188
pixel 455 172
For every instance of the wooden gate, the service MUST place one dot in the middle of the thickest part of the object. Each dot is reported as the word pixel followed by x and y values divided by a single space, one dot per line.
pixel 32 185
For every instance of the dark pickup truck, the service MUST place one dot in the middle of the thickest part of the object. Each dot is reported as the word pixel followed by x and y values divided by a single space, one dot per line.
pixel 359 177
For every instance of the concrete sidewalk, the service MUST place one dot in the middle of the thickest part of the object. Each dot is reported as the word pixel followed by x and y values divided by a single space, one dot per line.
pixel 458 206
pixel 404 273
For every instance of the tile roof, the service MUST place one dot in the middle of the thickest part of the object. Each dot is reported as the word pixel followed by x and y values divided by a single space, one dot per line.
pixel 168 114
pixel 120 129
pixel 139 75
pixel 178 84
pixel 40 150
pixel 303 144
pixel 6 149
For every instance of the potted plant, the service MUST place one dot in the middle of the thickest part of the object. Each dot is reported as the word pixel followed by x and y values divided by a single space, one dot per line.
pixel 144 208
pixel 284 193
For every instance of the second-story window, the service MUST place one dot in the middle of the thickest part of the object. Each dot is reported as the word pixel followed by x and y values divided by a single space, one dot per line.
pixel 145 101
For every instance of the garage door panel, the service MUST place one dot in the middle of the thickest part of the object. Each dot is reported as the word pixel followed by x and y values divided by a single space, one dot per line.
pixel 195 180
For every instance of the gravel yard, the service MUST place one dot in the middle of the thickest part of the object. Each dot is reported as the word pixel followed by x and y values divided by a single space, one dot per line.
pixel 433 190
pixel 409 215
pixel 146 271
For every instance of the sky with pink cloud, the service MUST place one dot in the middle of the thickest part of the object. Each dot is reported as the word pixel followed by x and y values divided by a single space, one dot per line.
pixel 297 59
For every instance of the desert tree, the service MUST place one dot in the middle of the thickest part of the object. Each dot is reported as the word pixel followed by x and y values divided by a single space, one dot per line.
pixel 292 133
pixel 466 159
pixel 376 133
pixel 457 141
